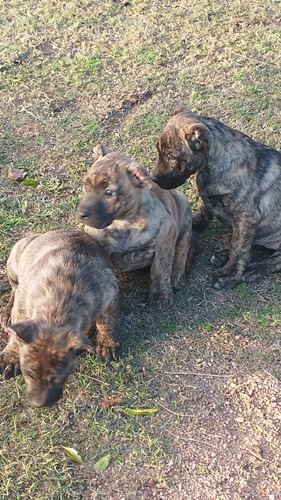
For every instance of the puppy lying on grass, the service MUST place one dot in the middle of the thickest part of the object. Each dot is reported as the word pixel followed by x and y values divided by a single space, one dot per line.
pixel 137 223
pixel 61 283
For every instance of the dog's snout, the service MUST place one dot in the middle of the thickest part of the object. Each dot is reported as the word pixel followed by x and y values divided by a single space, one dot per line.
pixel 83 214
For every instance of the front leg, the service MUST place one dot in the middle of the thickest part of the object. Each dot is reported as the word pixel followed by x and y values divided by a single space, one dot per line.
pixel 161 291
pixel 9 358
pixel 183 260
pixel 243 235
pixel 5 316
pixel 106 345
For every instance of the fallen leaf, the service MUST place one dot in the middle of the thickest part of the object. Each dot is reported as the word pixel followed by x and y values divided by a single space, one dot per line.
pixel 239 420
pixel 103 463
pixel 30 182
pixel 140 411
pixel 151 483
pixel 16 174
pixel 109 402
pixel 159 64
pixel 73 454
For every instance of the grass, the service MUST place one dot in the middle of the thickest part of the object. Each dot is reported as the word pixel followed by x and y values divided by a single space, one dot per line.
pixel 112 72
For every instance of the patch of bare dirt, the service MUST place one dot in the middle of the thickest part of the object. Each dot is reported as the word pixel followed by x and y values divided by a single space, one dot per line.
pixel 226 446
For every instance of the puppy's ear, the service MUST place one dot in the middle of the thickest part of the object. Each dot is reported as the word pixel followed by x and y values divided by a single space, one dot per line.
pixel 182 109
pixel 138 175
pixel 27 330
pixel 198 137
pixel 79 343
pixel 179 110
pixel 99 151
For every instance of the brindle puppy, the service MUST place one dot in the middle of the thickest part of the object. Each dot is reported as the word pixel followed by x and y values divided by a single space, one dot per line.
pixel 240 184
pixel 137 223
pixel 61 284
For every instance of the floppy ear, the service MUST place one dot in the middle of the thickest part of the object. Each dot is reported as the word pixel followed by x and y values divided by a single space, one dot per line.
pixel 138 175
pixel 79 343
pixel 198 137
pixel 158 144
pixel 100 151
pixel 27 330
pixel 179 110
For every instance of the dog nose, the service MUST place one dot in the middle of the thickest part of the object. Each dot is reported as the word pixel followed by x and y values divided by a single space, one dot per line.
pixel 83 214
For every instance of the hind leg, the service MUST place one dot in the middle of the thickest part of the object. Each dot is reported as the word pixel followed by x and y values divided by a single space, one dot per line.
pixel 9 358
pixel 256 270
pixel 258 253
pixel 5 316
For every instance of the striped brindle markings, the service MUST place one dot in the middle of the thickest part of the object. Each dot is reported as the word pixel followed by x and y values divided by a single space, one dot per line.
pixel 62 285
pixel 239 181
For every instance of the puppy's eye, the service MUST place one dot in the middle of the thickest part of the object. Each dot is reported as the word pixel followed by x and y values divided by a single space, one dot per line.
pixel 109 192
pixel 170 158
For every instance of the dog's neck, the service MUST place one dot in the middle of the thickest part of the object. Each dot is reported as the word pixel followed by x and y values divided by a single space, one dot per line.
pixel 139 212
pixel 224 153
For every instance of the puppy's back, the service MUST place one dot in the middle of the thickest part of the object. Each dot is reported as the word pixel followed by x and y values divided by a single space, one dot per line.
pixel 58 271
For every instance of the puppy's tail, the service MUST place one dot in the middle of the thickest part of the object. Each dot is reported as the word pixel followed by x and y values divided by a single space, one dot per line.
pixel 191 254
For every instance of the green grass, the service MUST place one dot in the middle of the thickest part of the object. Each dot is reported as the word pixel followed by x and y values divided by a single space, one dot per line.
pixel 105 72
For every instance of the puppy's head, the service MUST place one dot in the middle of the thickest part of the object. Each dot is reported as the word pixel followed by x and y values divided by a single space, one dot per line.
pixel 111 189
pixel 47 358
pixel 183 149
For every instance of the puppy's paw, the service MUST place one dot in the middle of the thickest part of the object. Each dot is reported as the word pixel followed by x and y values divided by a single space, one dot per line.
pixel 9 367
pixel 179 281
pixel 161 300
pixel 220 258
pixel 251 274
pixel 224 282
pixel 108 350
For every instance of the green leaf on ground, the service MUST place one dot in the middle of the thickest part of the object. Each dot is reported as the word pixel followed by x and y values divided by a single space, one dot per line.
pixel 140 411
pixel 103 463
pixel 73 454
pixel 30 182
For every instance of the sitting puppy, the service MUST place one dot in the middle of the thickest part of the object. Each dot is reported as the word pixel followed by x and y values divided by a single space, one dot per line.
pixel 61 283
pixel 137 223
pixel 240 184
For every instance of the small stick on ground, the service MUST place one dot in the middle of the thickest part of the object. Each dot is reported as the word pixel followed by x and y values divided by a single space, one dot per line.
pixel 255 454
pixel 190 439
pixel 200 374
pixel 182 415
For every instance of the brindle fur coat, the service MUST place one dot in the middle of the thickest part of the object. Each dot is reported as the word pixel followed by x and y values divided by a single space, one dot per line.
pixel 61 284
pixel 137 223
pixel 239 181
